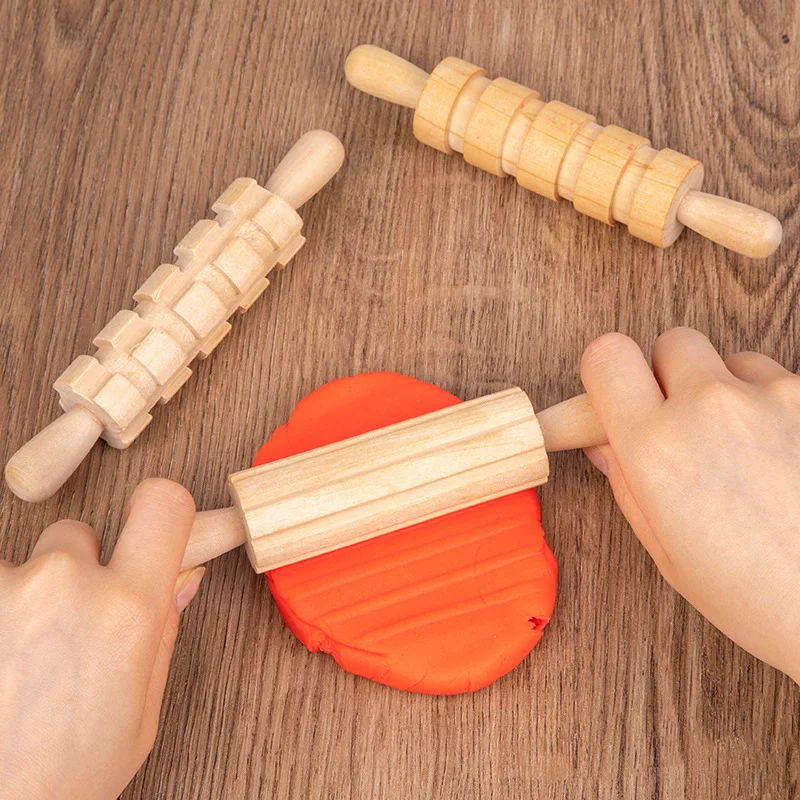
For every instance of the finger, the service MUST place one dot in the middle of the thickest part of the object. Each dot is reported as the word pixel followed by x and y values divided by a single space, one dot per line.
pixel 150 548
pixel 69 536
pixel 684 358
pixel 620 384
pixel 185 589
pixel 755 368
pixel 604 459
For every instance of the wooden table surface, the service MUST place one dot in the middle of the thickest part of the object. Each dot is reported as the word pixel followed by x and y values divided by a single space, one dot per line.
pixel 121 122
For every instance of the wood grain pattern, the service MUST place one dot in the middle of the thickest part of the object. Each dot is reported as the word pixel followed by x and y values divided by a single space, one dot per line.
pixel 121 122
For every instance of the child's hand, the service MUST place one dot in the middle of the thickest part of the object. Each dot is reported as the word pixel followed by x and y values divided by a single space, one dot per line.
pixel 85 649
pixel 709 478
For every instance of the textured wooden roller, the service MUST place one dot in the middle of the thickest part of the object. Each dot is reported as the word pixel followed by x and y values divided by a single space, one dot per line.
pixel 181 313
pixel 182 310
pixel 561 152
pixel 391 478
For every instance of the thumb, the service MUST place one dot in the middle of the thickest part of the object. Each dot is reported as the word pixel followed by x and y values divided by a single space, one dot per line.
pixel 603 457
pixel 185 589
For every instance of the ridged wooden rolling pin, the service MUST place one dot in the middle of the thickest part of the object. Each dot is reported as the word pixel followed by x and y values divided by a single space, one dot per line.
pixel 561 152
pixel 181 313
pixel 391 478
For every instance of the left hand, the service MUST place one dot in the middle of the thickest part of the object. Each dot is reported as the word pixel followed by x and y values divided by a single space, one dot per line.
pixel 86 649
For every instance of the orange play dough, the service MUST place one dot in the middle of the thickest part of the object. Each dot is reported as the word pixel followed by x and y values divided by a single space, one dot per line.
pixel 443 607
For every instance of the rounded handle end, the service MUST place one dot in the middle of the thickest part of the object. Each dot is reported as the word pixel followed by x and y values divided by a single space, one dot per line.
pixel 313 160
pixel 213 533
pixel 571 425
pixel 39 468
pixel 739 227
pixel 383 74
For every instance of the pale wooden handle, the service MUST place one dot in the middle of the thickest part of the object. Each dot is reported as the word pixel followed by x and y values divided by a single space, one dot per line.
pixel 383 74
pixel 213 533
pixel 739 227
pixel 39 468
pixel 571 425
pixel 313 160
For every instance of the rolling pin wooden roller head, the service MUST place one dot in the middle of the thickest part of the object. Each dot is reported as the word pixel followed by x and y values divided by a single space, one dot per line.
pixel 391 478
pixel 181 313
pixel 561 152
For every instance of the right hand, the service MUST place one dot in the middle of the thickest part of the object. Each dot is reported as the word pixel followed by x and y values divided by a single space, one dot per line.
pixel 704 461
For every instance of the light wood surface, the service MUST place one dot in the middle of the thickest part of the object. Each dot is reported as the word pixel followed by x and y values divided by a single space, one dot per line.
pixel 571 424
pixel 122 121
pixel 391 478
pixel 560 152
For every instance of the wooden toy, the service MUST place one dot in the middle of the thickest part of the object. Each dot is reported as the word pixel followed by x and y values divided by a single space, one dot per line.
pixel 560 152
pixel 181 313
pixel 449 582
pixel 392 478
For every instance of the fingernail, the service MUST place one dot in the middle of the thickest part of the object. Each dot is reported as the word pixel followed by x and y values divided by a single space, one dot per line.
pixel 597 458
pixel 187 585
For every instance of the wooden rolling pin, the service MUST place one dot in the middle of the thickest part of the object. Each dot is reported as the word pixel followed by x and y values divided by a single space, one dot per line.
pixel 391 478
pixel 561 152
pixel 181 314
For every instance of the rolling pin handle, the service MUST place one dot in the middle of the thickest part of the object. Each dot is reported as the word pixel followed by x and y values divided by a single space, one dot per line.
pixel 313 160
pixel 571 425
pixel 385 75
pixel 213 533
pixel 739 227
pixel 39 468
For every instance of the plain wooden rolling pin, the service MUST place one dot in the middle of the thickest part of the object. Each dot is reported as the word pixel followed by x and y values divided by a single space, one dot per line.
pixel 561 152
pixel 181 313
pixel 391 478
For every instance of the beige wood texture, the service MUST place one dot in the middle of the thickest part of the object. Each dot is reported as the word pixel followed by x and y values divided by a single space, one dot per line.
pixel 390 478
pixel 654 212
pixel 723 220
pixel 546 145
pixel 122 121
pixel 181 313
pixel 602 169
pixel 460 110
pixel 38 473
pixel 214 532
pixel 571 424
pixel 488 125
pixel 437 101
pixel 400 475
pixel 385 75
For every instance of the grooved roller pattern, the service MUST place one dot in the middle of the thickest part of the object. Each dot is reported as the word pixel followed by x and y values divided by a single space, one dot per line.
pixel 555 150
pixel 182 310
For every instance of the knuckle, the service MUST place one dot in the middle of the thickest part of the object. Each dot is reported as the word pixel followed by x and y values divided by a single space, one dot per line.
pixel 744 357
pixel 719 396
pixel 674 336
pixel 785 389
pixel 167 492
pixel 69 527
pixel 135 605
pixel 57 568
pixel 724 409
pixel 605 348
